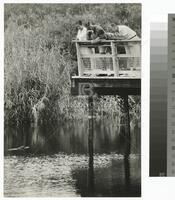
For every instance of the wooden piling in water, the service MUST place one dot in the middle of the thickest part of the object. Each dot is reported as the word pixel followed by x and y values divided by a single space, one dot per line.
pixel 127 125
pixel 127 142
pixel 91 134
pixel 90 148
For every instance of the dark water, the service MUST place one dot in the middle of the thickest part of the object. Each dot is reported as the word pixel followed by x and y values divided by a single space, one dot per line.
pixel 58 161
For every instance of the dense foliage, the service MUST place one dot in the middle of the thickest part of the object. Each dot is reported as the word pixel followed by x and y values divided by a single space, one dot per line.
pixel 40 57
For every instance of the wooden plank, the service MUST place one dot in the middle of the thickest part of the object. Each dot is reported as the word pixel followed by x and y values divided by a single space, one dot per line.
pixel 104 78
pixel 98 72
pixel 126 56
pixel 96 55
pixel 107 56
pixel 129 73
pixel 93 45
pixel 106 41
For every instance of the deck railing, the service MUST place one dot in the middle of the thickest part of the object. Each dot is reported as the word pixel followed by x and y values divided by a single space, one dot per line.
pixel 109 58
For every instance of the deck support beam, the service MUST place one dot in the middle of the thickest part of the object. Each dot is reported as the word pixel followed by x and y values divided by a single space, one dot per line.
pixel 106 85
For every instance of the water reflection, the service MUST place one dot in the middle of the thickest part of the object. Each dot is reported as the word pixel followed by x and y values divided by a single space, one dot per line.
pixel 110 180
pixel 67 161
pixel 71 138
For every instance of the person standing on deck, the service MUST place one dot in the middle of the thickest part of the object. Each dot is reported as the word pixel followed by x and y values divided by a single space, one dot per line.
pixel 82 36
pixel 82 32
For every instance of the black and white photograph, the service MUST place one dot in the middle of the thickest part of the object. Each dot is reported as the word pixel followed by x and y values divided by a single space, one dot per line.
pixel 72 100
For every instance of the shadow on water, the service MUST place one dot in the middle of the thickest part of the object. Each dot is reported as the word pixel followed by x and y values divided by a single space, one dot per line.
pixel 72 160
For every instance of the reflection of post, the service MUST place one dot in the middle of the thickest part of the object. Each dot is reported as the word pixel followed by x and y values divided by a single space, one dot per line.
pixel 90 149
pixel 127 172
pixel 127 143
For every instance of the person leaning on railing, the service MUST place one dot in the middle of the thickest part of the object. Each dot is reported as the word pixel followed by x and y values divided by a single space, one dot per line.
pixel 123 32
pixel 96 33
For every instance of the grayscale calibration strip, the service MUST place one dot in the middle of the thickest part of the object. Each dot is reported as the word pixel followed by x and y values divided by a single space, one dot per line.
pixel 158 98
pixel 171 97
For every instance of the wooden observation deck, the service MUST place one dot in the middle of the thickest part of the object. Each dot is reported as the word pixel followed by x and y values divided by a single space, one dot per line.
pixel 107 67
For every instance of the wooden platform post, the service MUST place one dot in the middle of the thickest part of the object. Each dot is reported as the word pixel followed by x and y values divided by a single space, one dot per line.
pixel 127 143
pixel 80 69
pixel 127 125
pixel 114 60
pixel 90 148
pixel 93 61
